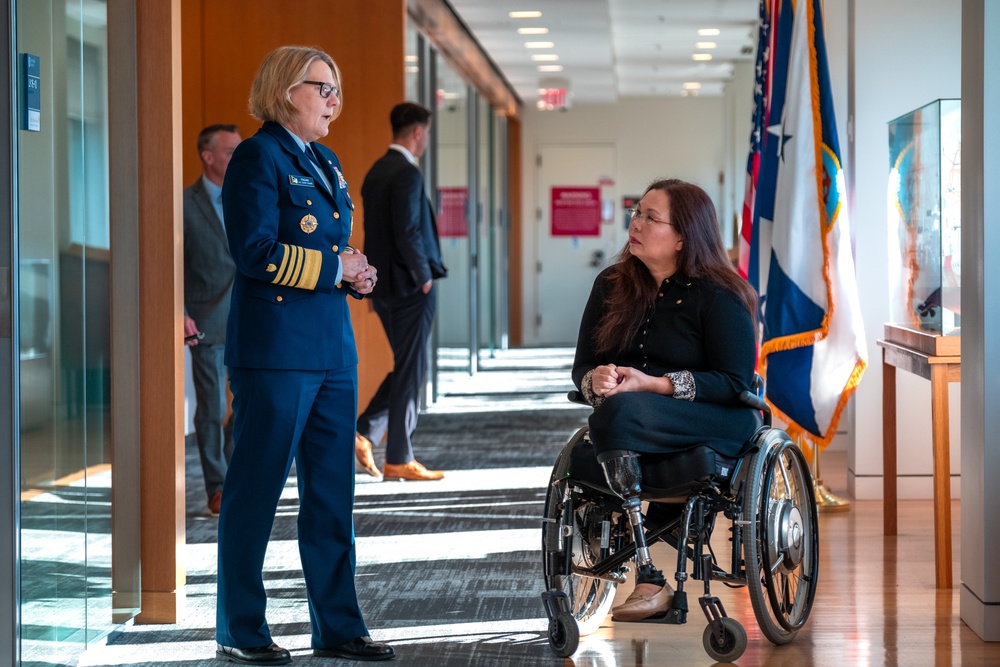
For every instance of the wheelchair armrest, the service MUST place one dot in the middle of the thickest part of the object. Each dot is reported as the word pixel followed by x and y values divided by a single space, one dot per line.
pixel 576 397
pixel 752 400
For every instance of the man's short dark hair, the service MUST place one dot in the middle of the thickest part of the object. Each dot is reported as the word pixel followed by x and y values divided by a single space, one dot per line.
pixel 206 135
pixel 406 115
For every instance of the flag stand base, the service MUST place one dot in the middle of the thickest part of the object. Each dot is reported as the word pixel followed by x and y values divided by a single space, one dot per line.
pixel 826 500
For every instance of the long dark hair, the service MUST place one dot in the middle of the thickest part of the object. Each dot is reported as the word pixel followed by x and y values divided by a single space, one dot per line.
pixel 633 288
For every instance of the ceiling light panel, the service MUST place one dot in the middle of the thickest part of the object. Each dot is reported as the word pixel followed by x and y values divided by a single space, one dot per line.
pixel 603 44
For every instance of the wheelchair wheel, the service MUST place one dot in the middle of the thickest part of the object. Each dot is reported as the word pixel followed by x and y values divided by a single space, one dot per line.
pixel 782 547
pixel 590 599
pixel 564 635
pixel 734 641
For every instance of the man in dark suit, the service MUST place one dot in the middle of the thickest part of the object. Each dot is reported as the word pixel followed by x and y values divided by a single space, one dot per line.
pixel 208 280
pixel 401 239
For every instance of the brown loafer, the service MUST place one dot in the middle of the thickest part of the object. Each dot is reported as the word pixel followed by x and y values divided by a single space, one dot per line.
pixel 641 605
pixel 412 471
pixel 363 454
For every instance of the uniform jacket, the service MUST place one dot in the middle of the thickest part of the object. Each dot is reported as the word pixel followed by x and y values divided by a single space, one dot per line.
pixel 694 326
pixel 208 265
pixel 285 231
pixel 401 237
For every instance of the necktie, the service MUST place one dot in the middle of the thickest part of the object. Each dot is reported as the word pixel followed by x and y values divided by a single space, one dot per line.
pixel 319 169
pixel 311 154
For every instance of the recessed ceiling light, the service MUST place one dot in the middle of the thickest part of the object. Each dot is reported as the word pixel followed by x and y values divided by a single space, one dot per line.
pixel 705 45
pixel 692 85
pixel 545 57
pixel 539 45
pixel 532 31
pixel 533 14
pixel 412 69
pixel 708 32
pixel 410 59
pixel 550 68
pixel 701 56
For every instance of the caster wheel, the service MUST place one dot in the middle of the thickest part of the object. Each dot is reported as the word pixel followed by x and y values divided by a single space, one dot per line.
pixel 564 635
pixel 734 641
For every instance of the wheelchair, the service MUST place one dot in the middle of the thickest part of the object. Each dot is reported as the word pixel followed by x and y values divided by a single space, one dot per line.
pixel 765 493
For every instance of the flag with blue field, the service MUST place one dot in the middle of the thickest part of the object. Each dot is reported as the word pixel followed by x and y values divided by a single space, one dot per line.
pixel 813 351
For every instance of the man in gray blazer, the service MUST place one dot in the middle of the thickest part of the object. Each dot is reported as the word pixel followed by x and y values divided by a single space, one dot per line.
pixel 208 279
pixel 401 239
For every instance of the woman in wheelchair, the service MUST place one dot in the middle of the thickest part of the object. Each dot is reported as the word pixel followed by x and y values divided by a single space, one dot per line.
pixel 666 346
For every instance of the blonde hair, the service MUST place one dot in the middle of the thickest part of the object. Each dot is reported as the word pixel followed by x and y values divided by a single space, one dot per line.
pixel 283 69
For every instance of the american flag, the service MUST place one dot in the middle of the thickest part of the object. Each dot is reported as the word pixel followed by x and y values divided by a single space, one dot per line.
pixel 759 118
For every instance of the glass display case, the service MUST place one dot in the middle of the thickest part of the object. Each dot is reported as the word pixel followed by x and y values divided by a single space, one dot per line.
pixel 925 219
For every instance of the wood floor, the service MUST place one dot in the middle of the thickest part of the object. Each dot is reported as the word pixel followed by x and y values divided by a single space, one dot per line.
pixel 875 605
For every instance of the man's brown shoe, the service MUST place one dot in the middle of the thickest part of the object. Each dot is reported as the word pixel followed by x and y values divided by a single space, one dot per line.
pixel 412 471
pixel 215 503
pixel 363 454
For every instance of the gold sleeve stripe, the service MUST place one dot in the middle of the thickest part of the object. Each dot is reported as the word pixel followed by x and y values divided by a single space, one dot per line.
pixel 287 264
pixel 294 268
pixel 310 269
pixel 281 268
pixel 299 267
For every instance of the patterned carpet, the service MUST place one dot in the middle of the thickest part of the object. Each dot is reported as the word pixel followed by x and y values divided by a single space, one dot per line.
pixel 449 572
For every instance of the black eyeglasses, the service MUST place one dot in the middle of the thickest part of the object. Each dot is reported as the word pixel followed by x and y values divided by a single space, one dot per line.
pixel 634 213
pixel 325 89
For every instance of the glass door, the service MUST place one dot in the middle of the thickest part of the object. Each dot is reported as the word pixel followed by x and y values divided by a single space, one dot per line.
pixel 62 233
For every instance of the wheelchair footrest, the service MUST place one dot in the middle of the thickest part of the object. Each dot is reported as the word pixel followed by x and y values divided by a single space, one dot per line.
pixel 555 602
pixel 675 615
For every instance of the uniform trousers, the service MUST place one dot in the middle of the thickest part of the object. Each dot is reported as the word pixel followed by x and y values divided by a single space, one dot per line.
pixel 215 438
pixel 394 408
pixel 281 416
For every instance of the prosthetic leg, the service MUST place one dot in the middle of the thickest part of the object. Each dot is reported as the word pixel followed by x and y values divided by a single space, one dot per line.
pixel 624 475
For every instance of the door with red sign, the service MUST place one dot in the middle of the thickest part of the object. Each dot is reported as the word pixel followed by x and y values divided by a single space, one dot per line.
pixel 577 234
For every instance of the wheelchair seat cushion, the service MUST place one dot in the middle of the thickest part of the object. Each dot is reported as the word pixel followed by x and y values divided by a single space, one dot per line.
pixel 665 477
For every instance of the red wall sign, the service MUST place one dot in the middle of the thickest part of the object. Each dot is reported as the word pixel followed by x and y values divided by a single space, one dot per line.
pixel 576 211
pixel 451 219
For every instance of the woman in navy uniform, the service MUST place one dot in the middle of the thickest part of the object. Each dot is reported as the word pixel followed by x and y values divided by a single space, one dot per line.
pixel 292 363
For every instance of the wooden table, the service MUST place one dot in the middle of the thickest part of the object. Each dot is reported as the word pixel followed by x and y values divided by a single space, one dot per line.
pixel 921 357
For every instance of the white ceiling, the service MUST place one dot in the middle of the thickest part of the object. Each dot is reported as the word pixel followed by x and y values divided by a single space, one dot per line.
pixel 616 48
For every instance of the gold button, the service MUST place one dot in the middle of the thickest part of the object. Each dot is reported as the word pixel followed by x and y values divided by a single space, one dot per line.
pixel 660 294
pixel 678 300
pixel 644 364
pixel 336 215
pixel 279 298
pixel 338 285
pixel 309 202
pixel 335 248
pixel 666 280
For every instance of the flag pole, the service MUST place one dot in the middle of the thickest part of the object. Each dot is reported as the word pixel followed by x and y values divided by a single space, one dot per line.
pixel 826 500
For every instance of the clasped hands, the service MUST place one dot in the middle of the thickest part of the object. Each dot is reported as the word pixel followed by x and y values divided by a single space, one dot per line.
pixel 609 380
pixel 357 271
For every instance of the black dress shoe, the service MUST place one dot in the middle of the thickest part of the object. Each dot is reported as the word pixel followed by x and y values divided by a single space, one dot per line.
pixel 263 655
pixel 359 648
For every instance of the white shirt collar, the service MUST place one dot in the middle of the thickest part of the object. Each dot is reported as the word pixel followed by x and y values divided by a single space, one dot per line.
pixel 406 153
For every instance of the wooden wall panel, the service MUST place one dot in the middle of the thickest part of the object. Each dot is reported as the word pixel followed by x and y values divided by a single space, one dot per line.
pixel 161 385
pixel 224 43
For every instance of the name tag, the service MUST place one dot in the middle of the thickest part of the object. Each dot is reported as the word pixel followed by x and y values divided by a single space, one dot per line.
pixel 304 181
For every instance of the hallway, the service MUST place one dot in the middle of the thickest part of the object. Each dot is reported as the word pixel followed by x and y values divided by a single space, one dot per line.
pixel 449 572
